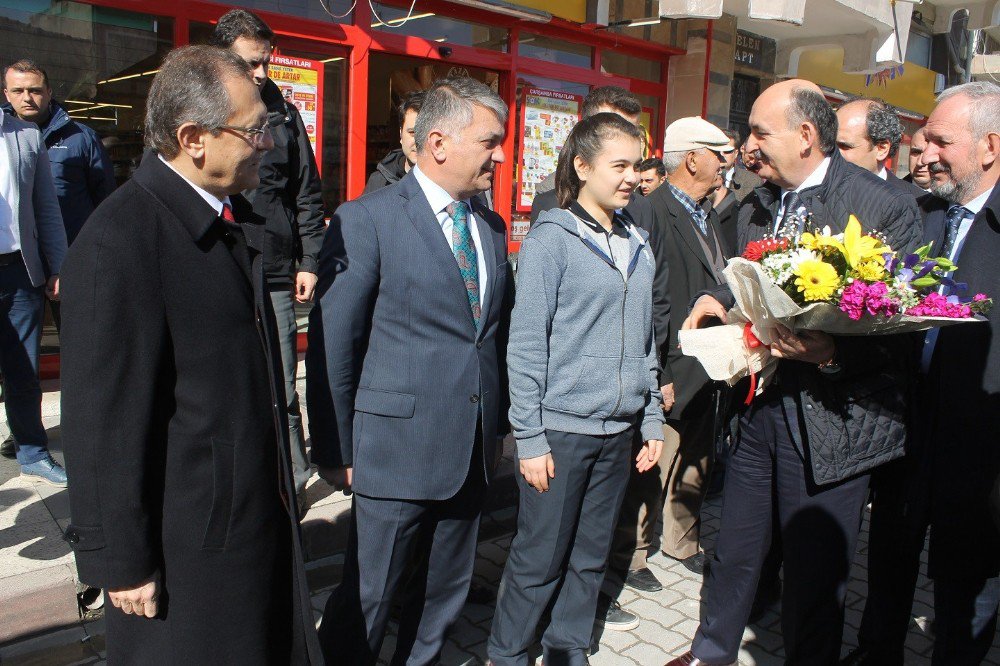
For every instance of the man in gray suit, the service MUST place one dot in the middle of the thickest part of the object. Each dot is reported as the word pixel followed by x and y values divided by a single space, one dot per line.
pixel 32 247
pixel 406 378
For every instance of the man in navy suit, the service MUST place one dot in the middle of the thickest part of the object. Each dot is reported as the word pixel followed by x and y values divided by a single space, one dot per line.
pixel 952 460
pixel 406 376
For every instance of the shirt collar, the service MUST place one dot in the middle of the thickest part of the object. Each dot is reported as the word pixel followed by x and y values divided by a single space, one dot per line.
pixel 814 179
pixel 883 174
pixel 215 202
pixel 685 199
pixel 977 204
pixel 436 195
pixel 618 227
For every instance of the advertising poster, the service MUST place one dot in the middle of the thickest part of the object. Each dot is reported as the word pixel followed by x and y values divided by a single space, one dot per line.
pixel 301 83
pixel 547 116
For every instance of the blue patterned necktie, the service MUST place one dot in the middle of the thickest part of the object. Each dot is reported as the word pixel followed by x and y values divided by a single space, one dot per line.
pixel 955 216
pixel 465 254
pixel 792 204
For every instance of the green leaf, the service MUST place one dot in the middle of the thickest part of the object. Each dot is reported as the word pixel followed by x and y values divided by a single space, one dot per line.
pixel 925 281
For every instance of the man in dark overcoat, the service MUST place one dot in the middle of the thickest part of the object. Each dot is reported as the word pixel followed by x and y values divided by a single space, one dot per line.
pixel 181 496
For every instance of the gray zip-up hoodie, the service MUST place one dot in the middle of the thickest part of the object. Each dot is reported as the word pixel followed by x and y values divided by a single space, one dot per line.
pixel 581 356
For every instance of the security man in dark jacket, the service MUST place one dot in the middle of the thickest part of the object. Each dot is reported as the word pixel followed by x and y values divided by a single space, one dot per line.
pixel 81 169
pixel 834 411
pixel 290 198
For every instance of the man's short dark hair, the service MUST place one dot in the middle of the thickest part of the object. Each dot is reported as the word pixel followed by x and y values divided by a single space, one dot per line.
pixel 881 123
pixel 734 136
pixel 412 102
pixel 238 23
pixel 807 105
pixel 190 88
pixel 26 66
pixel 652 163
pixel 614 97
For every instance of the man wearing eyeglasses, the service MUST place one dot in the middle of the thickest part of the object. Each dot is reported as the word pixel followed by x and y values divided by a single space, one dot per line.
pixel 181 491
pixel 290 198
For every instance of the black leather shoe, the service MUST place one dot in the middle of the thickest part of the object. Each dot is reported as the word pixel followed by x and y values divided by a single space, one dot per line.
pixel 855 657
pixel 696 564
pixel 7 448
pixel 643 580
pixel 688 659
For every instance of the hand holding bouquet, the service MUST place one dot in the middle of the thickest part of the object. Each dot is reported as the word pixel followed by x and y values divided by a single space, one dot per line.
pixel 842 284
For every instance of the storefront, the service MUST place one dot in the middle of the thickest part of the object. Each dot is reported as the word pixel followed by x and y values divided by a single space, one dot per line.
pixel 101 56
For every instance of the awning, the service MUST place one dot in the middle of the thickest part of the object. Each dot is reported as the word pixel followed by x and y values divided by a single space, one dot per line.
pixel 866 30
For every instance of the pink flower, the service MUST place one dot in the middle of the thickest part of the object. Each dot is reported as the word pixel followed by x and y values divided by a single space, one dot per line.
pixel 852 300
pixel 980 297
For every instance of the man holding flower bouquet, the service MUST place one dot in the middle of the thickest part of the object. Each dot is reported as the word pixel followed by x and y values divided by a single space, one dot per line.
pixel 834 409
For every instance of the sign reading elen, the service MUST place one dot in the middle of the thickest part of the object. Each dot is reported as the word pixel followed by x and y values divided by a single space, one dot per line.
pixel 301 83
pixel 749 49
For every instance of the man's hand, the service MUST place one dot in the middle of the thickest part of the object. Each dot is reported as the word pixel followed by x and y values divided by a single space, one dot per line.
pixel 52 288
pixel 140 601
pixel 667 391
pixel 340 478
pixel 537 471
pixel 305 285
pixel 649 455
pixel 808 346
pixel 704 309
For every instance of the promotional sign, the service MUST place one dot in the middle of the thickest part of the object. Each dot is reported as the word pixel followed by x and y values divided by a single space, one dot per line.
pixel 547 116
pixel 301 83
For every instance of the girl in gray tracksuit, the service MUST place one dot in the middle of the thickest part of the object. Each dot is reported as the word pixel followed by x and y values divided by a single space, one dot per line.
pixel 583 378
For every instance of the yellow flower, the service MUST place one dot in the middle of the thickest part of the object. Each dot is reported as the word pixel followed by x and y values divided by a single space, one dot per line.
pixel 816 280
pixel 871 270
pixel 859 248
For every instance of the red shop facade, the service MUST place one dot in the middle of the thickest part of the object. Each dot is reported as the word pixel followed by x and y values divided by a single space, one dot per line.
pixel 101 56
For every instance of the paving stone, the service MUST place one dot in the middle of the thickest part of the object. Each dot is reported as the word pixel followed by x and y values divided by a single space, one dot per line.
pixel 647 655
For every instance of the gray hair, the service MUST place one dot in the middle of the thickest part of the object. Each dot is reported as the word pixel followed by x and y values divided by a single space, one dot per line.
pixel 448 107
pixel 881 123
pixel 673 160
pixel 808 105
pixel 984 112
pixel 190 88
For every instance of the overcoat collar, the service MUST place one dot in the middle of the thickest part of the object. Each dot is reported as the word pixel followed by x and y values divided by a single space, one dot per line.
pixel 169 188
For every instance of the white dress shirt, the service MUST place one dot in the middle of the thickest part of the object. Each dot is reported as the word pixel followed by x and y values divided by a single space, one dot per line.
pixel 883 174
pixel 9 237
pixel 212 200
pixel 814 179
pixel 439 200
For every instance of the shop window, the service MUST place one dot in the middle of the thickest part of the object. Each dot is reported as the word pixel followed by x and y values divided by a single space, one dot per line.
pixel 338 11
pixel 918 49
pixel 433 27
pixel 555 50
pixel 100 64
pixel 613 62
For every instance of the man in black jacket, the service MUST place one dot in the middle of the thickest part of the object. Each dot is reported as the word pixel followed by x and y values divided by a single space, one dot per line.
pixel 834 411
pixel 868 134
pixel 688 239
pixel 952 460
pixel 398 162
pixel 290 198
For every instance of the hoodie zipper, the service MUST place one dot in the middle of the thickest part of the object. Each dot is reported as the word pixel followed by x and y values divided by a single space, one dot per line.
pixel 621 352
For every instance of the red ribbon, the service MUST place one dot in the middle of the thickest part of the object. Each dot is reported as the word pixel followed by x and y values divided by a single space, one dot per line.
pixel 752 342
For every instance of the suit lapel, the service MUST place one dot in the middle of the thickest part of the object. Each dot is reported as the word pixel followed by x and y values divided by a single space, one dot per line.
pixel 488 250
pixel 419 212
pixel 10 133
pixel 682 221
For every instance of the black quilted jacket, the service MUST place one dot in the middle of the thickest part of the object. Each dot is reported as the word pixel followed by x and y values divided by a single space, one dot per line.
pixel 852 420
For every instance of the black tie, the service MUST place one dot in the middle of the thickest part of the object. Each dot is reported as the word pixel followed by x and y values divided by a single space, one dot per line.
pixel 792 205
pixel 955 216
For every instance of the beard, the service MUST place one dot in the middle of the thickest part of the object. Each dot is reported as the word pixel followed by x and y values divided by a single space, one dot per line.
pixel 953 190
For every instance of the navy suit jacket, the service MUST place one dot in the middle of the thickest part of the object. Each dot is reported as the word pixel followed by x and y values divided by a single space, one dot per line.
pixel 959 414
pixel 398 375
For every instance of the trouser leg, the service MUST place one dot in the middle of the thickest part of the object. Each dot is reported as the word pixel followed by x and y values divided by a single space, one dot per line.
pixel 537 561
pixel 382 537
pixel 687 483
pixel 965 620
pixel 567 639
pixel 744 537
pixel 284 314
pixel 21 307
pixel 636 524
pixel 820 526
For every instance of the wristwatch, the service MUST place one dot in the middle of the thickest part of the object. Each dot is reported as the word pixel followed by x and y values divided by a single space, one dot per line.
pixel 831 366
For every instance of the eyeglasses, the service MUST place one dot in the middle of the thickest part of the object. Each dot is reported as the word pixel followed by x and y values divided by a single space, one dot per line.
pixel 255 135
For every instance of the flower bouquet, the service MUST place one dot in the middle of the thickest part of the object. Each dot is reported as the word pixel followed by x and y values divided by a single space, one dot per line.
pixel 842 284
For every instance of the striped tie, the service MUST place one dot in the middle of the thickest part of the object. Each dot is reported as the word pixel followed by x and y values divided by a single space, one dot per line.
pixel 465 254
